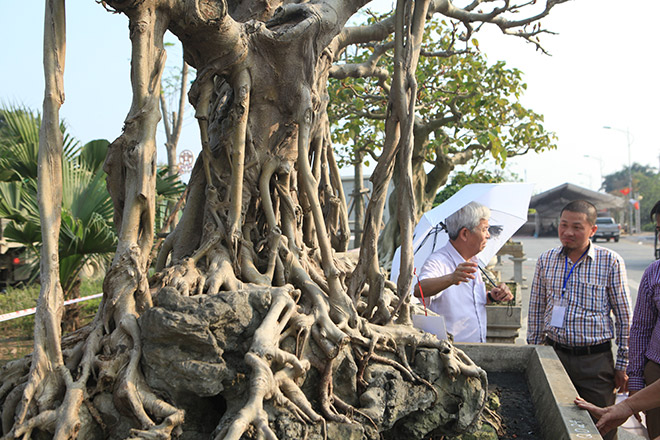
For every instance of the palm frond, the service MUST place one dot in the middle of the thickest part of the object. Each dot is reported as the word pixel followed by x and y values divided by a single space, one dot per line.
pixel 27 234
pixel 30 201
pixel 20 141
pixel 95 236
pixel 70 267
pixel 11 195
pixel 168 187
pixel 70 145
pixel 92 154
pixel 100 237
pixel 86 230
pixel 86 193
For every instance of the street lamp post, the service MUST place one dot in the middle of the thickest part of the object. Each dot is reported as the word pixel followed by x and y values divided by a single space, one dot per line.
pixel 588 176
pixel 600 169
pixel 630 182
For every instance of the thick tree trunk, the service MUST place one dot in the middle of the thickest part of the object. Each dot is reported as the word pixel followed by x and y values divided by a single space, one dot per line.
pixel 47 373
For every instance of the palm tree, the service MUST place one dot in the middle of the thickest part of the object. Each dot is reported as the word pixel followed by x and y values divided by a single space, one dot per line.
pixel 87 234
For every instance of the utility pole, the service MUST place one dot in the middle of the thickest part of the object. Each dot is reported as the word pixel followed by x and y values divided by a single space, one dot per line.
pixel 630 181
pixel 600 169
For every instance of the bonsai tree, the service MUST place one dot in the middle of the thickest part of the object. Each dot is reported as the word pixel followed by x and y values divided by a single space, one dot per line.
pixel 293 336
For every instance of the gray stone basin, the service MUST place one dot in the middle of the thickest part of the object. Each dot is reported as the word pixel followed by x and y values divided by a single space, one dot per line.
pixel 550 387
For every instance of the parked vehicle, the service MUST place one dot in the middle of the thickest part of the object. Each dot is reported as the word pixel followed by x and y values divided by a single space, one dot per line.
pixel 607 229
pixel 13 268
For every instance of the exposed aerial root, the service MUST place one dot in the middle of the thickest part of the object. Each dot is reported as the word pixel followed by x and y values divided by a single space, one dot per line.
pixel 401 350
pixel 117 371
pixel 292 398
pixel 351 410
pixel 132 389
pixel 43 384
pixel 14 373
pixel 62 419
pixel 261 388
pixel 327 398
pixel 249 270
pixel 300 326
pixel 189 279
pixel 269 167
pixel 493 419
pixel 9 407
pixel 44 420
pixel 127 386
pixel 172 417
pixel 377 309
pixel 185 277
pixel 458 363
pixel 325 332
pixel 264 356
pixel 221 274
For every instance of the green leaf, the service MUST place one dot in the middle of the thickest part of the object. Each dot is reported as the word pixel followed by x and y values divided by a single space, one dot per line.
pixel 93 153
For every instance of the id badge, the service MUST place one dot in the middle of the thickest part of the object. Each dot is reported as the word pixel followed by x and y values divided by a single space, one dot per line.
pixel 558 314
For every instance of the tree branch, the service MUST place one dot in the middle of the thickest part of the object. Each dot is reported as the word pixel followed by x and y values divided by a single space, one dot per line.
pixel 496 16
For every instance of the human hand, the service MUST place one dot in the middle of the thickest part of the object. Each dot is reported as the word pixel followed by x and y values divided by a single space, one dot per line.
pixel 464 272
pixel 609 417
pixel 501 293
pixel 621 381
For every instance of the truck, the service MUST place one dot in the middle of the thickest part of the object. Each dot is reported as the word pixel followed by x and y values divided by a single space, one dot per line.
pixel 607 229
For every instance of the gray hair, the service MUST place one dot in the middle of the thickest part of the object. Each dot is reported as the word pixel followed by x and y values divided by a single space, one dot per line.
pixel 469 216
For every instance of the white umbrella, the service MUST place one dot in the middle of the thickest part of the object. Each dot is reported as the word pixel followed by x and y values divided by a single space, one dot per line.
pixel 508 203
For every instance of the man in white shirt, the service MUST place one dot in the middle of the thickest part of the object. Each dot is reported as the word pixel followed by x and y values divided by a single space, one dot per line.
pixel 449 280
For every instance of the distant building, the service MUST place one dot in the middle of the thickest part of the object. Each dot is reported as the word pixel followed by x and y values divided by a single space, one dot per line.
pixel 548 206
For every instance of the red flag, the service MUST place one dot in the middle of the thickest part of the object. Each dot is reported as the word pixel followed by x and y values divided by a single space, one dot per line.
pixel 625 191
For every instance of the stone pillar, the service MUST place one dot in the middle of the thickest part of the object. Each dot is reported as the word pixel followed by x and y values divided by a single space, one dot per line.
pixel 537 224
pixel 518 270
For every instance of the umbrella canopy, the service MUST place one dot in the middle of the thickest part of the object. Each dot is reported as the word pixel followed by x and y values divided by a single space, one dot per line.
pixel 508 203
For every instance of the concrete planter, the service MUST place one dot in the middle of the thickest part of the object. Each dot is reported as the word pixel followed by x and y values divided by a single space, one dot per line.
pixel 550 387
pixel 504 321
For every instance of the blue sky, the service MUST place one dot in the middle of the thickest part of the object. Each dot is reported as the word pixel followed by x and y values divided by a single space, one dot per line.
pixel 602 72
pixel 97 68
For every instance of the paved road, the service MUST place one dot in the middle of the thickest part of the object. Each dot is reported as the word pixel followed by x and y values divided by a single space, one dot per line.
pixel 637 251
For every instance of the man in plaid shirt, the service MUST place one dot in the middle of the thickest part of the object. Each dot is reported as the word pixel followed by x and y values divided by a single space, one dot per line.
pixel 575 288
pixel 644 367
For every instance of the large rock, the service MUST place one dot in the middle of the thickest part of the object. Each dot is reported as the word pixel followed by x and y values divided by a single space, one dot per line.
pixel 193 355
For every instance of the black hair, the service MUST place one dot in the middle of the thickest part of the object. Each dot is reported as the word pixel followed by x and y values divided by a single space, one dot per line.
pixel 583 207
pixel 655 210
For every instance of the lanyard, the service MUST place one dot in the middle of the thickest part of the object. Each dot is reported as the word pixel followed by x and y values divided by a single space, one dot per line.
pixel 563 289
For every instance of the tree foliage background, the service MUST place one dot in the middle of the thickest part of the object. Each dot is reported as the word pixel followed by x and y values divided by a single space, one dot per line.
pixel 467 113
pixel 645 183
pixel 88 235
